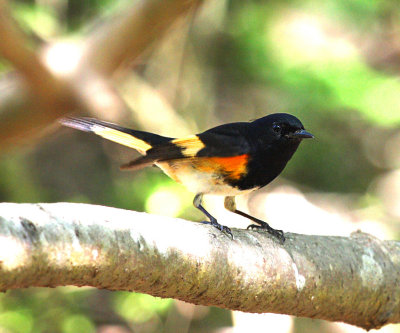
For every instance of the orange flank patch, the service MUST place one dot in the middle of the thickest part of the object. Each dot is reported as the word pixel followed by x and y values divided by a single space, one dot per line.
pixel 207 174
pixel 235 167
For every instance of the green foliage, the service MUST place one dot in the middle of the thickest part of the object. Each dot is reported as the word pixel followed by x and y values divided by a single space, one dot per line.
pixel 33 17
pixel 78 323
pixel 19 321
pixel 140 308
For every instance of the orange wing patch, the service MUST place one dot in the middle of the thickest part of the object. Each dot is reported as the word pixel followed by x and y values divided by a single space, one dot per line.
pixel 234 167
pixel 190 145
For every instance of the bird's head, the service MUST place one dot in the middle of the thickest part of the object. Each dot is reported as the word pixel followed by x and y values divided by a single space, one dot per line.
pixel 282 127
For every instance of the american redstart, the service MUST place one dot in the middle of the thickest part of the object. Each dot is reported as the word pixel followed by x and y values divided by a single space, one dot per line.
pixel 226 160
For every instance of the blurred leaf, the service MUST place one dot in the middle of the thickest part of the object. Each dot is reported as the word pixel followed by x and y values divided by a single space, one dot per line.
pixel 40 19
pixel 140 308
pixel 168 198
pixel 16 321
pixel 16 183
pixel 78 323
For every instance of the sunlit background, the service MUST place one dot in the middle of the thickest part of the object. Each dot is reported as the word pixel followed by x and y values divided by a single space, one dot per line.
pixel 335 64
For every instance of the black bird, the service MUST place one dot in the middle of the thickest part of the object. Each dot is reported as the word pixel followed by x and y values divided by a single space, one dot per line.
pixel 226 160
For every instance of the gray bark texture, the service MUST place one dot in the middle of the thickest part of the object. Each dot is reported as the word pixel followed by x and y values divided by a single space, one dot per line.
pixel 354 280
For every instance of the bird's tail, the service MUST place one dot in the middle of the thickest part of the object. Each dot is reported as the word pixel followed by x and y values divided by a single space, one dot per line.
pixel 139 140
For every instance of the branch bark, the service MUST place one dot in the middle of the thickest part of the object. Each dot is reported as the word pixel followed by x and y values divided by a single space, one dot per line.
pixel 354 280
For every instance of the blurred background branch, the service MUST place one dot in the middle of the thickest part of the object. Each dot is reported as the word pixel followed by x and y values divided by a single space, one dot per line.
pixel 49 245
pixel 63 77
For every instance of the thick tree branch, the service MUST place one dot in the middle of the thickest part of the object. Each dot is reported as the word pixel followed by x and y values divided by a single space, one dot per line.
pixel 355 280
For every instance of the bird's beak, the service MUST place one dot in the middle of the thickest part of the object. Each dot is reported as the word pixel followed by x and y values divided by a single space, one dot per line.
pixel 301 134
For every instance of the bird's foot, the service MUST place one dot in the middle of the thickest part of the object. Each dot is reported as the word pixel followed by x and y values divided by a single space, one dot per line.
pixel 220 227
pixel 265 226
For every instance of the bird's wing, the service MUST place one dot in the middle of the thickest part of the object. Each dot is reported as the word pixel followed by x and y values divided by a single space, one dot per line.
pixel 226 141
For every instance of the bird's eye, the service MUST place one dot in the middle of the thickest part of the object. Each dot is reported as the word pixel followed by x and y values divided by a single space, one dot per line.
pixel 277 128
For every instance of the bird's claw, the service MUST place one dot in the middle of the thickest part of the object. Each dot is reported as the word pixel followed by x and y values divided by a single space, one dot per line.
pixel 227 230
pixel 274 232
pixel 220 227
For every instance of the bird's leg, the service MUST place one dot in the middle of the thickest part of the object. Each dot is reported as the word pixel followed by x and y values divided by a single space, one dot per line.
pixel 230 205
pixel 213 221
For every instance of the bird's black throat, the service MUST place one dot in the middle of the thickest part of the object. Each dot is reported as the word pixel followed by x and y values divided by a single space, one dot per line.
pixel 267 164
